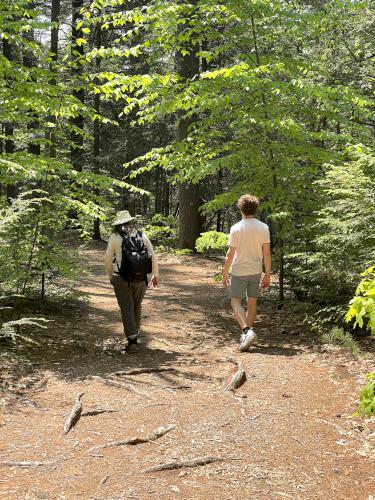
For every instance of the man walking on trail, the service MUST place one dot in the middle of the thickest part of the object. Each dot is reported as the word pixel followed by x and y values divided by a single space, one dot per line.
pixel 129 258
pixel 249 245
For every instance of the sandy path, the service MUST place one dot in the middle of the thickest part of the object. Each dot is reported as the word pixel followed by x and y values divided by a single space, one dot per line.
pixel 284 434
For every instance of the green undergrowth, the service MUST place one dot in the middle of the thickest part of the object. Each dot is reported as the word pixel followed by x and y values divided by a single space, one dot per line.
pixel 337 336
pixel 366 406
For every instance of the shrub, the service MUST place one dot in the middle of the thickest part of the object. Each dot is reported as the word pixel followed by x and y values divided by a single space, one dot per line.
pixel 329 251
pixel 367 397
pixel 212 241
pixel 362 306
pixel 31 252
pixel 162 230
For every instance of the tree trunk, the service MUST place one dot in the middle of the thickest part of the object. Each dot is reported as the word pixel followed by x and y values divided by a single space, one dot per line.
pixel 158 193
pixel 54 48
pixel 166 196
pixel 76 151
pixel 96 143
pixel 9 146
pixel 29 61
pixel 189 223
pixel 187 66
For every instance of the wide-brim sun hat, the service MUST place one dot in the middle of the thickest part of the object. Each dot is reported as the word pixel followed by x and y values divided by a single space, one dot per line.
pixel 123 218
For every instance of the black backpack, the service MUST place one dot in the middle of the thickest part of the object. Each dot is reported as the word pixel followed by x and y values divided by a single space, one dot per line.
pixel 135 261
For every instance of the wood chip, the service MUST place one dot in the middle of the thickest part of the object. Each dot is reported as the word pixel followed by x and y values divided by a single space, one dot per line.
pixel 104 480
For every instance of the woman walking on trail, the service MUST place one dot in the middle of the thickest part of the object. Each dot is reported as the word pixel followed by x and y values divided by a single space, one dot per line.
pixel 128 259
pixel 249 246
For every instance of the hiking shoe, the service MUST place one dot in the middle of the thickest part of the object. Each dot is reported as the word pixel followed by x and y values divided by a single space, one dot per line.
pixel 248 337
pixel 130 345
pixel 133 340
pixel 124 349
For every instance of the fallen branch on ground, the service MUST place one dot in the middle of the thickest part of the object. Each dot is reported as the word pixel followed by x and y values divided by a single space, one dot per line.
pixel 137 371
pixel 156 434
pixel 75 414
pixel 239 378
pixel 27 464
pixel 129 388
pixel 91 413
pixel 196 462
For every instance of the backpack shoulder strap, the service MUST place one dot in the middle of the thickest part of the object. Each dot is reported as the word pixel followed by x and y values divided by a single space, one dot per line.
pixel 140 241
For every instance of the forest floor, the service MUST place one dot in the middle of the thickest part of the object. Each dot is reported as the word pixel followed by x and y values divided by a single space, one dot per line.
pixel 288 432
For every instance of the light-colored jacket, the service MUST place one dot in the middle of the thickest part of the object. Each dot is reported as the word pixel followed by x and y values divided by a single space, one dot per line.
pixel 114 251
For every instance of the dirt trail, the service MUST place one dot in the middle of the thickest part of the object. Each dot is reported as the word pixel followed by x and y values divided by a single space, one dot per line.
pixel 283 434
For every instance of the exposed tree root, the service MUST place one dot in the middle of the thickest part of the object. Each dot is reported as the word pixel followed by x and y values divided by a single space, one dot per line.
pixel 91 413
pixel 132 380
pixel 239 378
pixel 138 371
pixel 156 434
pixel 196 462
pixel 75 414
pixel 129 388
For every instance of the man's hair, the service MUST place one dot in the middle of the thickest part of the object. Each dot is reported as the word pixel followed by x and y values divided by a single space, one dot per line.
pixel 248 204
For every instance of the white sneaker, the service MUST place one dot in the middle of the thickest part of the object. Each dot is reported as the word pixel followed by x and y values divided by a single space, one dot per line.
pixel 247 339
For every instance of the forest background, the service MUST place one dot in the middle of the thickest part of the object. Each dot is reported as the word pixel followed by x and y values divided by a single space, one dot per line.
pixel 172 110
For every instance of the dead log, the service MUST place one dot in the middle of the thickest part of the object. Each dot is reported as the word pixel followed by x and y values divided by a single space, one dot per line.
pixel 239 378
pixel 127 387
pixel 156 434
pixel 138 371
pixel 196 462
pixel 75 414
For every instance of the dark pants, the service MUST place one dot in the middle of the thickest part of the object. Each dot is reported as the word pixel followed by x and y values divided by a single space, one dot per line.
pixel 129 298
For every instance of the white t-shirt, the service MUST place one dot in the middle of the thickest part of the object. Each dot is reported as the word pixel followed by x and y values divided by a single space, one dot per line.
pixel 248 237
pixel 114 250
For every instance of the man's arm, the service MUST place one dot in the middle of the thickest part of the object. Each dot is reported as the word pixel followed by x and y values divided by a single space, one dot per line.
pixel 267 265
pixel 228 262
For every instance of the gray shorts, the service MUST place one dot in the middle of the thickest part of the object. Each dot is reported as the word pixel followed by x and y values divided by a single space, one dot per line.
pixel 239 285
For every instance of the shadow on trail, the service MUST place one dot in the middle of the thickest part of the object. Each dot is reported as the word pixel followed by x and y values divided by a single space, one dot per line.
pixel 87 341
pixel 222 327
